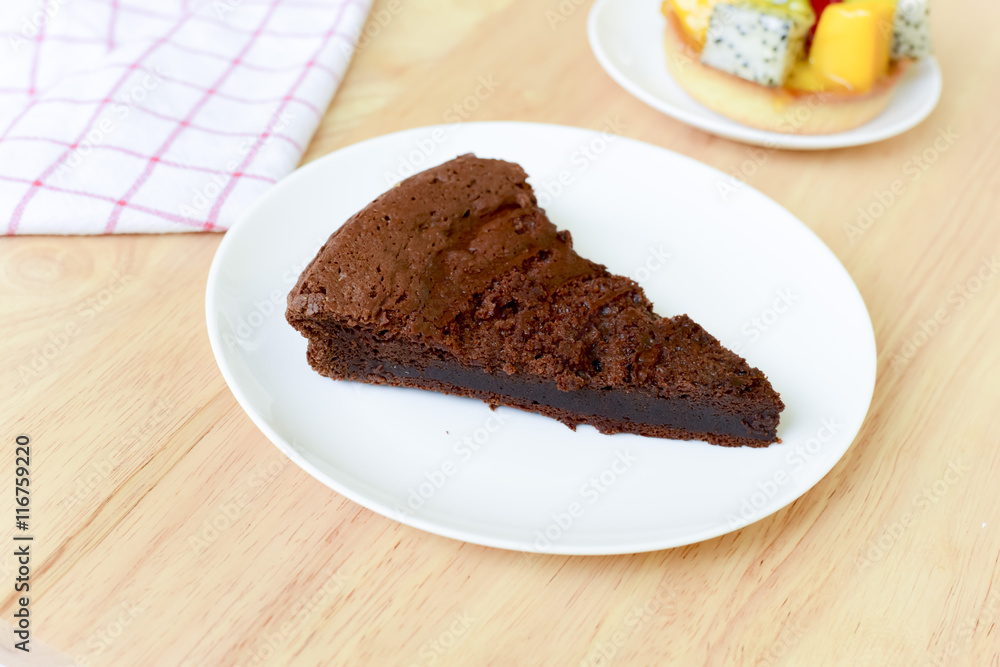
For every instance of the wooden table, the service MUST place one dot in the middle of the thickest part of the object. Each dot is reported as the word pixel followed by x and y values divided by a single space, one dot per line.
pixel 138 445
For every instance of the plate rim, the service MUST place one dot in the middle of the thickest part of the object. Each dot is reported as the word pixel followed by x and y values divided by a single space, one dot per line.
pixel 427 525
pixel 735 131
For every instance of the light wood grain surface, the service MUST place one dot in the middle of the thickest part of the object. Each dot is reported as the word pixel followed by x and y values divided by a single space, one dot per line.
pixel 138 445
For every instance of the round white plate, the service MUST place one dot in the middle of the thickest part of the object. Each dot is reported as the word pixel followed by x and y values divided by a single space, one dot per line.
pixel 626 36
pixel 745 268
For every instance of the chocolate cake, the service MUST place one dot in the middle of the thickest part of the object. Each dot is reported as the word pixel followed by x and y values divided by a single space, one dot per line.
pixel 456 281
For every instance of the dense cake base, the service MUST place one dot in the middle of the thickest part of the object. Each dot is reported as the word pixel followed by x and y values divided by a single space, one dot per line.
pixel 608 425
pixel 349 354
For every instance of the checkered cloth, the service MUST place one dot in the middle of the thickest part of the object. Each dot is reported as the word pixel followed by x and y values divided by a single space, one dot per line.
pixel 124 116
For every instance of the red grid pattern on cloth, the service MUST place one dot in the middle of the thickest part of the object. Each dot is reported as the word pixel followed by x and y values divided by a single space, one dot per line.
pixel 233 80
pixel 184 122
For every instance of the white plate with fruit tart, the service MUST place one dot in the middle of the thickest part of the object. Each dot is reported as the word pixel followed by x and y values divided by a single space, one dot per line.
pixel 767 72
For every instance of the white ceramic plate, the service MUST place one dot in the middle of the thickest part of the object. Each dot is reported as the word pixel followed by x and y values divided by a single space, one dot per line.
pixel 627 39
pixel 746 269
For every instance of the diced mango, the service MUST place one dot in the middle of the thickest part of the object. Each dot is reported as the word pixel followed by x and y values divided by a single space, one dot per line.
pixel 692 14
pixel 885 15
pixel 851 45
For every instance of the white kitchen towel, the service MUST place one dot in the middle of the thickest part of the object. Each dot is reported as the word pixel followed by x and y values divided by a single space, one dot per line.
pixel 126 116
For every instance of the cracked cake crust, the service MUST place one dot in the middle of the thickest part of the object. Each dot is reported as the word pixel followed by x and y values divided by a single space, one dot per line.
pixel 456 281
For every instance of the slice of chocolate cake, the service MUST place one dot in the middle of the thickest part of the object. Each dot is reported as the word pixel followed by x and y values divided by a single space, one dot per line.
pixel 456 281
